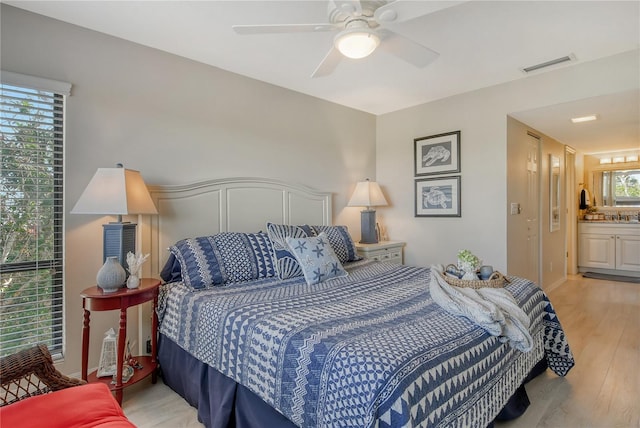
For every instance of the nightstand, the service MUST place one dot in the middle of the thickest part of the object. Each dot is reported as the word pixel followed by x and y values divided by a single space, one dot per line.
pixel 384 251
pixel 94 299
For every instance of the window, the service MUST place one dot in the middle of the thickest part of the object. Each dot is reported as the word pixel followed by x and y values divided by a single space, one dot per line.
pixel 31 212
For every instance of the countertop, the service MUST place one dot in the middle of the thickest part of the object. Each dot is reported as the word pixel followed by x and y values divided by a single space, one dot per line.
pixel 603 222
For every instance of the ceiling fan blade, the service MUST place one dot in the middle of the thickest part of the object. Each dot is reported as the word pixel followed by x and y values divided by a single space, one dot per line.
pixel 328 64
pixel 400 11
pixel 406 49
pixel 350 7
pixel 283 28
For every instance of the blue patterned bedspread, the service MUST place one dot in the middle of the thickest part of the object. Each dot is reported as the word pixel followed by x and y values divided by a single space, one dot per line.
pixel 368 350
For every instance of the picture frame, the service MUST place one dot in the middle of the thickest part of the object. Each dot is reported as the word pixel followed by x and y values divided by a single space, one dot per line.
pixel 437 154
pixel 438 197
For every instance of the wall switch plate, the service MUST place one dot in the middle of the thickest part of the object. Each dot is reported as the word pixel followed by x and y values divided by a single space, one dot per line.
pixel 515 208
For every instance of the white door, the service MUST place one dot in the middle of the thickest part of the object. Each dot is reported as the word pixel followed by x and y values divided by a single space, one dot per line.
pixel 532 209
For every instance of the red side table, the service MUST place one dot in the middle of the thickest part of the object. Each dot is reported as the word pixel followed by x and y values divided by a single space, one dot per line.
pixel 94 299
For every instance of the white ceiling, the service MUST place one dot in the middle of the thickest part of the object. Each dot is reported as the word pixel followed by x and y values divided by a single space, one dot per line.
pixel 480 43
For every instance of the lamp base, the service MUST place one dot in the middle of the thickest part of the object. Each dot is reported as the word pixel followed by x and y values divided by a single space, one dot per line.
pixel 368 233
pixel 118 240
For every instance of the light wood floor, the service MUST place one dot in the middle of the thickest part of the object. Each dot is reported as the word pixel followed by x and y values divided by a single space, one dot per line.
pixel 602 322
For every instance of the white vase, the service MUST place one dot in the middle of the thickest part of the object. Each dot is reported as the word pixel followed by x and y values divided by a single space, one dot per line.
pixel 111 275
pixel 133 281
pixel 469 276
pixel 468 269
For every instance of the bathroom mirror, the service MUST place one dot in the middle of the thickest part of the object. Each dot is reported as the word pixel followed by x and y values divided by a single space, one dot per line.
pixel 617 188
pixel 554 193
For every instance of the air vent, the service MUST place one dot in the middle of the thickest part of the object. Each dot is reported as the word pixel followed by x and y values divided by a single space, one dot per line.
pixel 570 57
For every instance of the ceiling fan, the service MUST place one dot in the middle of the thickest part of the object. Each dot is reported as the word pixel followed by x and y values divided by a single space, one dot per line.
pixel 362 27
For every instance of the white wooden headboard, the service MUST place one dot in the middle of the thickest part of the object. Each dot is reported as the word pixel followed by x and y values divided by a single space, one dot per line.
pixel 225 205
pixel 221 205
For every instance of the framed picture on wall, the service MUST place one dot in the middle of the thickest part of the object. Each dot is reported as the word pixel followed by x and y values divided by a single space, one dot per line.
pixel 437 154
pixel 438 197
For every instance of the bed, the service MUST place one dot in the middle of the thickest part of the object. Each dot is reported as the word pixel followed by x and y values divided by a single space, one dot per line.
pixel 366 348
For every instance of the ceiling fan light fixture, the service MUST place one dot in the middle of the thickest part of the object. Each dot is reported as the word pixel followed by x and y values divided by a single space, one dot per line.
pixel 357 43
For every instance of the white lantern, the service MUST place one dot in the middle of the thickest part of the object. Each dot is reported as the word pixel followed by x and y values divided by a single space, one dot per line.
pixel 108 359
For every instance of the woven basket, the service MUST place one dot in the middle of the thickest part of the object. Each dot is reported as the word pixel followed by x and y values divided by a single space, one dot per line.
pixel 496 280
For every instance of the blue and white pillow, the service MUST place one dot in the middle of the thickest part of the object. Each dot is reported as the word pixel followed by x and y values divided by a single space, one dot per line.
pixel 340 241
pixel 224 258
pixel 316 258
pixel 286 264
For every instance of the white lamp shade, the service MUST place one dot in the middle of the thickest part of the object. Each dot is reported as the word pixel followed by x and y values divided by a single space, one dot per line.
pixel 357 44
pixel 367 194
pixel 115 191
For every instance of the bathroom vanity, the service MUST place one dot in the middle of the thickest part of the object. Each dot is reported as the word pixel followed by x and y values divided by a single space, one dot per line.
pixel 609 247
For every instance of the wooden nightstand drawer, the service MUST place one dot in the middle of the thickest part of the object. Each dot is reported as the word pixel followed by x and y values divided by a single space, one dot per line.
pixel 384 251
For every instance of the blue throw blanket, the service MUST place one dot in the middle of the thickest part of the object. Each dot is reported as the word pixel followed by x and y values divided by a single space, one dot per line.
pixel 369 349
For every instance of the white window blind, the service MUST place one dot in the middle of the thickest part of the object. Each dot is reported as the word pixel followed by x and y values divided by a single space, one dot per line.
pixel 31 213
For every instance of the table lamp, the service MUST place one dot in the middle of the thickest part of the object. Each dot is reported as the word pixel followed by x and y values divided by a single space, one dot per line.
pixel 116 191
pixel 367 194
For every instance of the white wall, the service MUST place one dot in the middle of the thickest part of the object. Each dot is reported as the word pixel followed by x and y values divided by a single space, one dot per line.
pixel 482 117
pixel 177 121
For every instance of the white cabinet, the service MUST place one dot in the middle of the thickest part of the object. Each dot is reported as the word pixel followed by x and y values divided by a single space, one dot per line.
pixel 597 250
pixel 609 246
pixel 628 252
pixel 384 251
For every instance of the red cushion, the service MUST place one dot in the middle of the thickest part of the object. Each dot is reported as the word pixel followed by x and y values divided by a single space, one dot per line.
pixel 90 405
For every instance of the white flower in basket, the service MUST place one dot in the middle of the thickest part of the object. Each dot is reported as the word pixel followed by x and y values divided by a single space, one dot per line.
pixel 135 262
pixel 468 263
